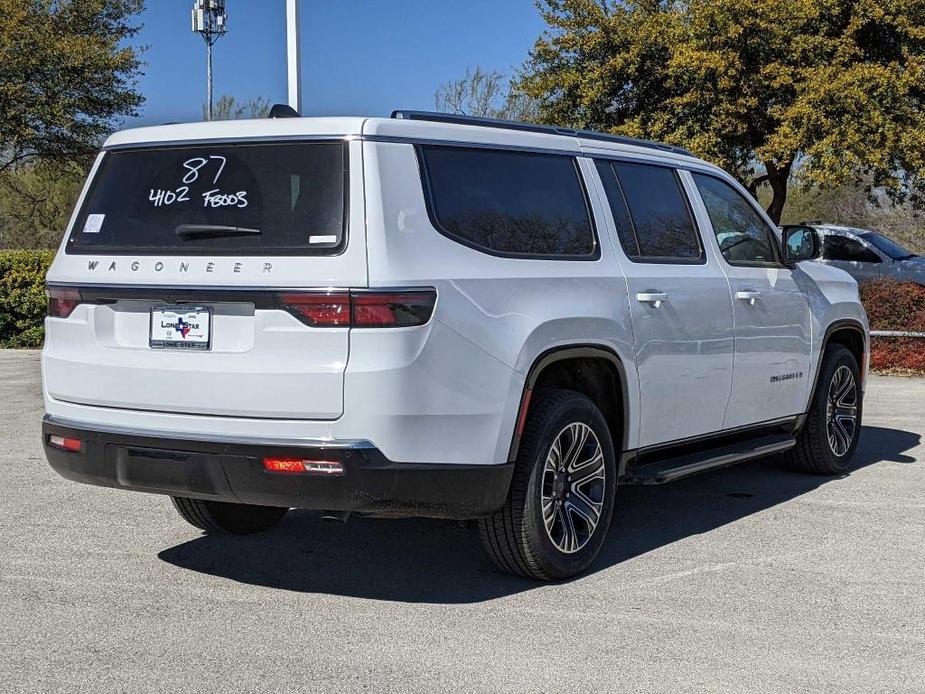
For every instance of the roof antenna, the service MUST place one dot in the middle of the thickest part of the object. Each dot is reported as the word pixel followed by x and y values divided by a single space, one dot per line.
pixel 283 111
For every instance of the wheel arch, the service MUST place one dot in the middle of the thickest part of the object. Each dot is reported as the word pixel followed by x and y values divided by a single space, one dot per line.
pixel 848 332
pixel 580 367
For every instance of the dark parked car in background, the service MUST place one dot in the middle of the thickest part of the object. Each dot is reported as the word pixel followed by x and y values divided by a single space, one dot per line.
pixel 866 255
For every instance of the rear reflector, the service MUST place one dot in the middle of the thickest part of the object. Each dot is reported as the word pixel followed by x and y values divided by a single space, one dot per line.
pixel 361 309
pixel 65 444
pixel 327 468
pixel 62 301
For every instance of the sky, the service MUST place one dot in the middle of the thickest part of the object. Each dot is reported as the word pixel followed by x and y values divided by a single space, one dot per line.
pixel 359 57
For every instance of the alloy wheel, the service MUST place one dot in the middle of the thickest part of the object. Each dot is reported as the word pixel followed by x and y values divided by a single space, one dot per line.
pixel 841 411
pixel 573 487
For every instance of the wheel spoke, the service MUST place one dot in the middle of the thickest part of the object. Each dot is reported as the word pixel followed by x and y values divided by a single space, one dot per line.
pixel 579 433
pixel 584 507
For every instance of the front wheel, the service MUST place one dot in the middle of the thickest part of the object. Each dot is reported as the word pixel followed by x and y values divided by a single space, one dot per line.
pixel 226 517
pixel 830 436
pixel 555 519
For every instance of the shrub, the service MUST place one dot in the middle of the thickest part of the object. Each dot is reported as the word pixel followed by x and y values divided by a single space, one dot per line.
pixel 22 297
pixel 893 305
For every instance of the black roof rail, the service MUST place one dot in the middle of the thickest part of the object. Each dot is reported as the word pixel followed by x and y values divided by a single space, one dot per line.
pixel 436 117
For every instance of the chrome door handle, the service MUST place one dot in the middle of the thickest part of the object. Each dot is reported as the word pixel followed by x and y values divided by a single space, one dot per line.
pixel 750 296
pixel 654 298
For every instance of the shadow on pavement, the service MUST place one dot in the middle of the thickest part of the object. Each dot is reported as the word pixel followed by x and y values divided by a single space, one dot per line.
pixel 431 561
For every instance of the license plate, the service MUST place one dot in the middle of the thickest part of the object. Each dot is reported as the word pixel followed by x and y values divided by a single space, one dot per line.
pixel 181 327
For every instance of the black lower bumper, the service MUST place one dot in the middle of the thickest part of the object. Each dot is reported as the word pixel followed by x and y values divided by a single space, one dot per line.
pixel 235 472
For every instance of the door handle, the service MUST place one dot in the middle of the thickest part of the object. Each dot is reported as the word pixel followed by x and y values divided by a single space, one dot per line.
pixel 654 298
pixel 748 295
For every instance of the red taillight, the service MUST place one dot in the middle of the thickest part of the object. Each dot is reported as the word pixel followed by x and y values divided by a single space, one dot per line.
pixel 312 467
pixel 64 443
pixel 394 309
pixel 361 309
pixel 323 310
pixel 62 301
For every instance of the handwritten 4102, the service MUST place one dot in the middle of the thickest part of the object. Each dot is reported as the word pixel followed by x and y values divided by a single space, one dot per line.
pixel 215 197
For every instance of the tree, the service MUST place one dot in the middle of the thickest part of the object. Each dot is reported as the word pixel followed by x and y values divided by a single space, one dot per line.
pixel 229 108
pixel 66 76
pixel 486 94
pixel 36 200
pixel 835 87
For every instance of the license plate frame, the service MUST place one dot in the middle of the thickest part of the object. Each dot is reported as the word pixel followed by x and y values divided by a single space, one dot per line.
pixel 198 317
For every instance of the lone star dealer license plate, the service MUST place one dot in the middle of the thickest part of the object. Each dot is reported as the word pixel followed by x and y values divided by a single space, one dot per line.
pixel 181 327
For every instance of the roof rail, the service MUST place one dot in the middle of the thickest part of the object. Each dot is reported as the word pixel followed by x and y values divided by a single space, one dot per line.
pixel 436 117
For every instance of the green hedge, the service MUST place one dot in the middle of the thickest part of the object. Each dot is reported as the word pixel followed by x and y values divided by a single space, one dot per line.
pixel 22 297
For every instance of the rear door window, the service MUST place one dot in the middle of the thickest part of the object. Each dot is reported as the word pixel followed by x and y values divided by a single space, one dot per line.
pixel 650 210
pixel 257 199
pixel 519 204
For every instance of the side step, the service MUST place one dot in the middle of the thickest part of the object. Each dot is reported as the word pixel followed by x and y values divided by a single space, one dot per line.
pixel 671 469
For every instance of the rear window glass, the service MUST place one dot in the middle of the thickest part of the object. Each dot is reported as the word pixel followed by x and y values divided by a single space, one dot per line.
pixel 661 219
pixel 259 199
pixel 509 203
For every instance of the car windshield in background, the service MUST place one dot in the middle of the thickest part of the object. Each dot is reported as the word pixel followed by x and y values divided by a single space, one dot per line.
pixel 261 199
pixel 894 250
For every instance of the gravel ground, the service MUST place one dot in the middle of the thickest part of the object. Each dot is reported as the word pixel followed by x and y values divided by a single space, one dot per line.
pixel 750 579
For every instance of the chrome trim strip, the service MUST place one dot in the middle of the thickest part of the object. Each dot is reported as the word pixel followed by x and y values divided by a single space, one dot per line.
pixel 353 444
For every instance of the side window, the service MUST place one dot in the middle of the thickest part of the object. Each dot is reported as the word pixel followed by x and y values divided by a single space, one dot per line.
pixel 743 235
pixel 650 210
pixel 835 247
pixel 509 203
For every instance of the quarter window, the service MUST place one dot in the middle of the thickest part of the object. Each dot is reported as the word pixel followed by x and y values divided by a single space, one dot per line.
pixel 509 203
pixel 651 213
pixel 742 234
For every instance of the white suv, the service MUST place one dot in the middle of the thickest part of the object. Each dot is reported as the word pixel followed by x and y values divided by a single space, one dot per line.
pixel 432 315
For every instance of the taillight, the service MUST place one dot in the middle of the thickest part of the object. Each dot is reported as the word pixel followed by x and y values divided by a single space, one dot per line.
pixel 62 301
pixel 392 309
pixel 361 309
pixel 322 310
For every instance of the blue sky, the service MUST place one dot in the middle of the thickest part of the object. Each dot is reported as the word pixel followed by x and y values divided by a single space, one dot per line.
pixel 359 57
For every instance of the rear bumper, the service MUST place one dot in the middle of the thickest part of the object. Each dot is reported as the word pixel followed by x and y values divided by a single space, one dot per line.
pixel 233 471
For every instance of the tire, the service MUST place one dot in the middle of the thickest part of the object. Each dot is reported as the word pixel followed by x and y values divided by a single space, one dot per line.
pixel 223 517
pixel 518 538
pixel 829 438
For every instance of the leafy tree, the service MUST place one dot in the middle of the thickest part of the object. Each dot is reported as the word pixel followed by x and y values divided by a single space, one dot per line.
pixel 486 94
pixel 36 200
pixel 230 108
pixel 66 76
pixel 760 87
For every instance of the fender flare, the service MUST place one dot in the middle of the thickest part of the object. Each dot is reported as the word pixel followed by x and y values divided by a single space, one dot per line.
pixel 833 327
pixel 564 353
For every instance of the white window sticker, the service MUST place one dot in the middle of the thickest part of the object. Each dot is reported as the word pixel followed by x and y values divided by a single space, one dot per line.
pixel 94 223
pixel 322 239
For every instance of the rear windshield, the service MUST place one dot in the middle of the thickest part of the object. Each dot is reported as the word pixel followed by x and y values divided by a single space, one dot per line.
pixel 257 199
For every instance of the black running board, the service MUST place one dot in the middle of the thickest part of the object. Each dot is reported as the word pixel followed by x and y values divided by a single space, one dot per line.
pixel 671 469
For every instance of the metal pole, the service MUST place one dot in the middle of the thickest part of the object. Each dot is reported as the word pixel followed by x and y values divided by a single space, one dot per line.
pixel 294 70
pixel 209 81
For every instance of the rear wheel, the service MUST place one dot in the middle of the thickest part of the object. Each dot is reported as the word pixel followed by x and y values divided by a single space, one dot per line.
pixel 561 498
pixel 830 436
pixel 224 517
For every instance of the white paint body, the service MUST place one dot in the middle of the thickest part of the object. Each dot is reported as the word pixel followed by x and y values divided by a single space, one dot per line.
pixel 448 391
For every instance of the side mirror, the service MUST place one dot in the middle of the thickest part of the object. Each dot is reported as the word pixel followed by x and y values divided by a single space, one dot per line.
pixel 799 243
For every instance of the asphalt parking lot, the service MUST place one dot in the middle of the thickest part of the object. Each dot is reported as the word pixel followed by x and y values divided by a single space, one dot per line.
pixel 750 579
